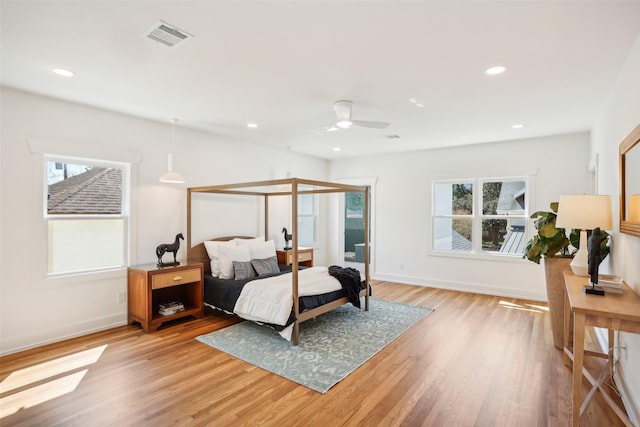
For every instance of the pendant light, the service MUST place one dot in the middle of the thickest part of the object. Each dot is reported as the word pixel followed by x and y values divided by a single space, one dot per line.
pixel 172 177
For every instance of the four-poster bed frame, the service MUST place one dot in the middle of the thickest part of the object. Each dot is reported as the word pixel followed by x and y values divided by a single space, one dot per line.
pixel 284 187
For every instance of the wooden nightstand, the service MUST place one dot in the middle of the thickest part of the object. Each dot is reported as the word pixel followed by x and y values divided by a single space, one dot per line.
pixel 305 257
pixel 149 285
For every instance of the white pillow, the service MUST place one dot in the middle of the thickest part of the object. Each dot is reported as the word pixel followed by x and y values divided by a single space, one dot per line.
pixel 247 242
pixel 213 248
pixel 262 250
pixel 227 254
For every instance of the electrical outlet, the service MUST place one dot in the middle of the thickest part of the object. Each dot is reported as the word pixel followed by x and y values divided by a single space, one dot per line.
pixel 122 297
pixel 401 266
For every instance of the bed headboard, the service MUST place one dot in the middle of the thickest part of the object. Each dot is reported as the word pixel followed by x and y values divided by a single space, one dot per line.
pixel 198 253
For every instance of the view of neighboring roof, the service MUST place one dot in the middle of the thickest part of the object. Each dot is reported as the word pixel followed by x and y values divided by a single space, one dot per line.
pixel 96 191
pixel 511 199
pixel 459 242
pixel 515 241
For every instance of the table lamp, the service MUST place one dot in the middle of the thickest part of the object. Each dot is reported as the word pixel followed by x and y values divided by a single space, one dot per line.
pixel 584 212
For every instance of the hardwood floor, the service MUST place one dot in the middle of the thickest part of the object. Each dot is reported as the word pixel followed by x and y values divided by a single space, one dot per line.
pixel 475 361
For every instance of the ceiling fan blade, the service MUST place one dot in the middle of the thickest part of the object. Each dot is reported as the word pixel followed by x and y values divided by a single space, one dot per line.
pixel 367 124
pixel 322 130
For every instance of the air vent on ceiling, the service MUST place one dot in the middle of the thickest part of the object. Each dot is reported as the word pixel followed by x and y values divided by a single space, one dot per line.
pixel 166 34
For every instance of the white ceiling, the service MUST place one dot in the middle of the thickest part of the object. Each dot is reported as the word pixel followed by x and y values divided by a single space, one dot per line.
pixel 283 64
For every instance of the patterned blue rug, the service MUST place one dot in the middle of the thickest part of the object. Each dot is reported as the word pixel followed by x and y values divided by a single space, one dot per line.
pixel 331 346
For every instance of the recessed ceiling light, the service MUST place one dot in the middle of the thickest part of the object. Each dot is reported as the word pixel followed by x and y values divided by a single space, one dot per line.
pixel 499 69
pixel 63 72
pixel 413 100
pixel 252 125
pixel 517 126
pixel 336 148
pixel 419 105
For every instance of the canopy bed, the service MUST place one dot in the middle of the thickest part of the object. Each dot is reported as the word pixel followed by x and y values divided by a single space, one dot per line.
pixel 307 300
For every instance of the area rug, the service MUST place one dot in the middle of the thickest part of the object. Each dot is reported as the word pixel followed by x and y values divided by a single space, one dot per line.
pixel 331 346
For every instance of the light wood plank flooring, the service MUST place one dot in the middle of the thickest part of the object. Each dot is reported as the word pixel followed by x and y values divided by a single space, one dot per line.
pixel 475 361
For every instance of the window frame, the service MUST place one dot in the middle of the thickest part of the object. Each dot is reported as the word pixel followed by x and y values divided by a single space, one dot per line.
pixel 125 214
pixel 477 216
pixel 314 216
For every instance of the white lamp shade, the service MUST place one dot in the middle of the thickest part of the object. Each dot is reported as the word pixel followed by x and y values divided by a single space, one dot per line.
pixel 172 177
pixel 634 208
pixel 585 212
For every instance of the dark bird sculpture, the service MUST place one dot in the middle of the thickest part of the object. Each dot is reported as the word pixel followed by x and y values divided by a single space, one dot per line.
pixel 169 247
pixel 594 261
pixel 287 239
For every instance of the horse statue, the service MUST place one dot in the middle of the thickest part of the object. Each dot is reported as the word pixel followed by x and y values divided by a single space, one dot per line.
pixel 287 239
pixel 163 248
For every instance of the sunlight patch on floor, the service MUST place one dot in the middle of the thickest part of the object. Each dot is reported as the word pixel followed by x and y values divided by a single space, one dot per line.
pixel 526 307
pixel 43 382
pixel 39 394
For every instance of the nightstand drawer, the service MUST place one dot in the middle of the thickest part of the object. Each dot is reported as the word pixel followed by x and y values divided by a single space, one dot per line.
pixel 305 256
pixel 159 281
pixel 302 256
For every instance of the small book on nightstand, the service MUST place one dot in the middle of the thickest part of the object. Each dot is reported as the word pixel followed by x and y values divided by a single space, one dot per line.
pixel 610 284
pixel 171 307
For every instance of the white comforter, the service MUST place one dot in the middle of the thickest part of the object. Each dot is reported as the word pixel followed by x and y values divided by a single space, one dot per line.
pixel 270 300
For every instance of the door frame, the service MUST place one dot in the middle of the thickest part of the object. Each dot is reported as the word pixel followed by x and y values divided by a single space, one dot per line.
pixel 371 183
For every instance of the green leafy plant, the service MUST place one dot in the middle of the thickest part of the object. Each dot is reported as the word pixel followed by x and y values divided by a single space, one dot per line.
pixel 552 241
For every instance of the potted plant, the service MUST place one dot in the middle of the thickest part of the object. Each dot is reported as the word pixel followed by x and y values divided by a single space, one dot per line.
pixel 552 244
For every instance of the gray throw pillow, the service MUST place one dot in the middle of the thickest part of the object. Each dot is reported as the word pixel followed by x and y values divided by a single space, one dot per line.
pixel 266 267
pixel 243 270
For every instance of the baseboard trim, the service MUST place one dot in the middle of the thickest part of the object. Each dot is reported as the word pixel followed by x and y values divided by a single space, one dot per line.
pixel 474 288
pixel 53 335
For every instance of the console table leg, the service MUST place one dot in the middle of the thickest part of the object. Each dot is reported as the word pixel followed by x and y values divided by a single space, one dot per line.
pixel 578 360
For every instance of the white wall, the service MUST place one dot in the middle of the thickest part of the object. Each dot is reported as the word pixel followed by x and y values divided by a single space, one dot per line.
pixel 618 118
pixel 35 310
pixel 402 229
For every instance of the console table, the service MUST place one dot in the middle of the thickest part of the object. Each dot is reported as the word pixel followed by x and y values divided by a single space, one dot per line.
pixel 616 312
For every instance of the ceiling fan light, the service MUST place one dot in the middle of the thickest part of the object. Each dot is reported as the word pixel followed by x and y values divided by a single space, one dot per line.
pixel 344 124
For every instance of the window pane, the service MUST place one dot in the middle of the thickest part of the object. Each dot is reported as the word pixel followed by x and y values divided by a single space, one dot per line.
pixel 452 234
pixel 354 204
pixel 503 198
pixel 453 199
pixel 306 230
pixel 506 236
pixel 493 232
pixel 306 204
pixel 85 244
pixel 83 189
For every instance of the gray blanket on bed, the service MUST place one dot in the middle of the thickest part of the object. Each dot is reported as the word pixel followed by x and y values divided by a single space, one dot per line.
pixel 349 279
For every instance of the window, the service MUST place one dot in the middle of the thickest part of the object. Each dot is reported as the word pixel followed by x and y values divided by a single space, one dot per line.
pixel 306 217
pixel 86 215
pixel 480 216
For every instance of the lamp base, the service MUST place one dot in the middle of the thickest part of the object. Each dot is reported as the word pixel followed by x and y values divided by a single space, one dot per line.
pixel 590 290
pixel 579 270
pixel 580 263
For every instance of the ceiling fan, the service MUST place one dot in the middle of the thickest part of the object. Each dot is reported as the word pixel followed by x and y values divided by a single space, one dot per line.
pixel 344 120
